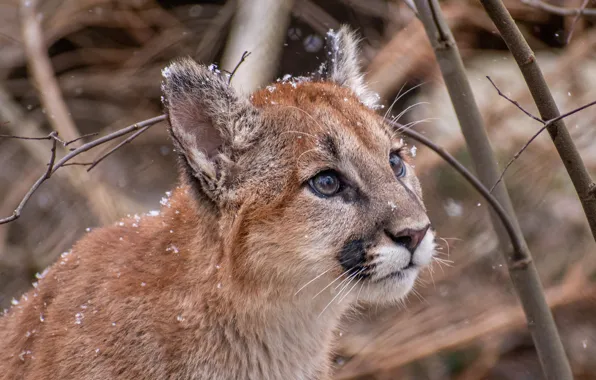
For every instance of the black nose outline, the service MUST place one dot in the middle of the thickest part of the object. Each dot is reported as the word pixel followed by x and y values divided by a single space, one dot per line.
pixel 408 238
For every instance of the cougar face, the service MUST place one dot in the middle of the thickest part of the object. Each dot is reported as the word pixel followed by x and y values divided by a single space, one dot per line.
pixel 310 182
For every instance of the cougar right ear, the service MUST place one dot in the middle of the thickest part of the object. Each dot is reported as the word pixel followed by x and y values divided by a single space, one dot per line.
pixel 208 120
pixel 342 65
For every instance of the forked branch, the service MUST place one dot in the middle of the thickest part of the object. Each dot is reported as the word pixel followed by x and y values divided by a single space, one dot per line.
pixel 65 161
pixel 545 125
pixel 549 112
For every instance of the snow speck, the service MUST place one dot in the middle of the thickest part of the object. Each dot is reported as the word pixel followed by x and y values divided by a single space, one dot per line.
pixel 143 284
pixel 172 248
pixel 453 208
pixel 313 43
pixel 171 231
pixel 413 150
pixel 294 33
pixel 35 284
pixel 166 72
pixel 219 285
pixel 165 202
pixel 179 318
pixel 271 88
pixel 121 224
pixel 568 93
pixel 97 350
pixel 392 205
pixel 135 225
pixel 479 204
pixel 23 353
pixel 41 317
pixel 41 275
pixel 88 229
pixel 79 318
pixel 113 323
pixel 14 301
pixel 286 77
pixel 585 343
pixel 153 213
pixel 217 266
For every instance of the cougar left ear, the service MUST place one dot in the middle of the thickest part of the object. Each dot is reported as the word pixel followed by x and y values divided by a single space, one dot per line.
pixel 342 65
pixel 209 123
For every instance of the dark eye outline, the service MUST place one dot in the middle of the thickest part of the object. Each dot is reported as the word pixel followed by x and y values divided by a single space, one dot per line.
pixel 328 172
pixel 400 171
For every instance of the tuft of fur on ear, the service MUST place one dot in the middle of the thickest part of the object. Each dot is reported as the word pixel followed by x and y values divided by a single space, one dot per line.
pixel 209 122
pixel 342 65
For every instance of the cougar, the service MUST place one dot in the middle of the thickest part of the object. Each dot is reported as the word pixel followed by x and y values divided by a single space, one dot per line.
pixel 294 204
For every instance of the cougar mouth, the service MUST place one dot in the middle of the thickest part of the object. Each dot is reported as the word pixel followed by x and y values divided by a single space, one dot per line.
pixel 399 274
pixel 386 262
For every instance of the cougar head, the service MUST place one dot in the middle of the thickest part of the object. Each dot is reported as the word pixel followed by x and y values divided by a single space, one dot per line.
pixel 308 182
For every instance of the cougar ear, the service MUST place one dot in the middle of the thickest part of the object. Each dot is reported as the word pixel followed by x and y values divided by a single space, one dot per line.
pixel 342 65
pixel 209 121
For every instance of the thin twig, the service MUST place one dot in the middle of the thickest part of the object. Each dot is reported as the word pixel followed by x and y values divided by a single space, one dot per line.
pixel 128 139
pixel 559 10
pixel 546 124
pixel 515 103
pixel 47 174
pixel 244 56
pixel 82 137
pixel 25 137
pixel 64 161
pixel 575 20
pixel 547 107
pixel 77 164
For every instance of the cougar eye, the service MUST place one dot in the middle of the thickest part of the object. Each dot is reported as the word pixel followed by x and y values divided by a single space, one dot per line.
pixel 397 164
pixel 325 184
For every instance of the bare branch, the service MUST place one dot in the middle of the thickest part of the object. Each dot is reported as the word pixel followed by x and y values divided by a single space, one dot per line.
pixel 549 112
pixel 545 124
pixel 244 56
pixel 515 103
pixel 522 270
pixel 129 139
pixel 64 161
pixel 25 138
pixel 559 10
pixel 47 174
pixel 82 137
pixel 575 20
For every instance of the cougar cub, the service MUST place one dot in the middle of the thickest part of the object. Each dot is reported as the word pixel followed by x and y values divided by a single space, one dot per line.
pixel 294 204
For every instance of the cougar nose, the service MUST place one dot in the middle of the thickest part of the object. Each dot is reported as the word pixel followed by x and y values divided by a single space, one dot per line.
pixel 409 238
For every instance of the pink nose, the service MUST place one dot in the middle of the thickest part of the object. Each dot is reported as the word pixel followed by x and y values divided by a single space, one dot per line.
pixel 409 238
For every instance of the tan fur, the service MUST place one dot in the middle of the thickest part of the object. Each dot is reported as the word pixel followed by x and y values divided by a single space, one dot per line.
pixel 213 286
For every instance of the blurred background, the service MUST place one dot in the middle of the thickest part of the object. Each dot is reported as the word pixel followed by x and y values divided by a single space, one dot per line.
pixel 463 321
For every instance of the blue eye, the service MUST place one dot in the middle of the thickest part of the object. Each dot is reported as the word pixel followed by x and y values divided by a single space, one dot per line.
pixel 397 164
pixel 325 184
